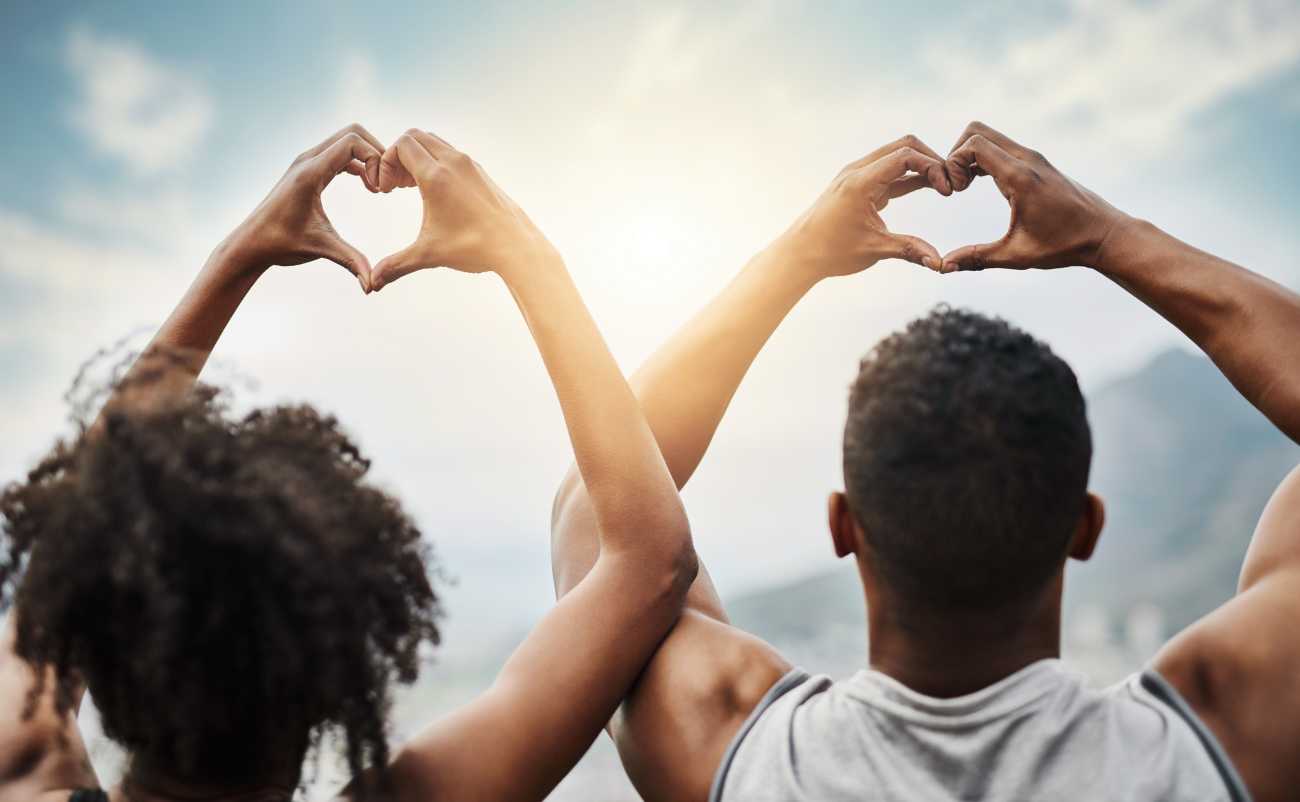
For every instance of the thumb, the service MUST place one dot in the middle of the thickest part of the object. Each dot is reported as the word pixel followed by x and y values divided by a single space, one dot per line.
pixel 341 252
pixel 915 250
pixel 394 266
pixel 978 257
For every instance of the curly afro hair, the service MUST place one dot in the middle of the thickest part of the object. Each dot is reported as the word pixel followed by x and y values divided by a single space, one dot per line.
pixel 966 458
pixel 228 588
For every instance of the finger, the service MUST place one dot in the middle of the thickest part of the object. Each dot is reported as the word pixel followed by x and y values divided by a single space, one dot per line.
pixel 915 250
pixel 338 157
pixel 897 164
pixel 394 266
pixel 341 252
pixel 998 138
pixel 391 172
pixel 906 186
pixel 436 145
pixel 415 158
pixel 910 141
pixel 943 186
pixel 980 153
pixel 354 128
pixel 978 257
pixel 359 169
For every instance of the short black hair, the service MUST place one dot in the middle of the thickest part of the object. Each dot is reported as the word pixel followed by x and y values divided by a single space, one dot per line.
pixel 230 588
pixel 966 458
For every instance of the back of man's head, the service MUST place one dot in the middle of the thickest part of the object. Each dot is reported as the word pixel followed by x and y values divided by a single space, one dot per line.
pixel 966 456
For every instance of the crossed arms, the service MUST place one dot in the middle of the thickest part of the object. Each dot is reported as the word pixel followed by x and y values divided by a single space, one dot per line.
pixel 1237 667
pixel 623 562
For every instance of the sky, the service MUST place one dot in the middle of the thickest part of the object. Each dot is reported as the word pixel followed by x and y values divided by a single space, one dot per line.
pixel 659 146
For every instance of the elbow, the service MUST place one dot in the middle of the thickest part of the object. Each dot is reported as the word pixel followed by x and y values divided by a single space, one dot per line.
pixel 679 563
pixel 685 567
pixel 662 558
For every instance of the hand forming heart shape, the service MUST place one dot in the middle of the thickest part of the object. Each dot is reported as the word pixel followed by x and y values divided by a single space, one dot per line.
pixel 470 225
pixel 1055 222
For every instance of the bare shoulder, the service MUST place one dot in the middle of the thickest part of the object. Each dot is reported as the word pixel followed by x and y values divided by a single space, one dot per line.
pixel 1239 669
pixel 40 752
pixel 688 705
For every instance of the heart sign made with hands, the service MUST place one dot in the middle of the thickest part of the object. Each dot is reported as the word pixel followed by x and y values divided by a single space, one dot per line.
pixel 1054 221
pixel 469 224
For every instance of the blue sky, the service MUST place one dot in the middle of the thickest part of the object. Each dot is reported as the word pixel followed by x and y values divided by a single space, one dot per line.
pixel 659 146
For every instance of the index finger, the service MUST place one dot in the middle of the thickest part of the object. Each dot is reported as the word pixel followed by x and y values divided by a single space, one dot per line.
pixel 909 141
pixel 351 146
pixel 979 151
pixel 415 157
pixel 902 161
pixel 977 128
pixel 436 145
pixel 354 128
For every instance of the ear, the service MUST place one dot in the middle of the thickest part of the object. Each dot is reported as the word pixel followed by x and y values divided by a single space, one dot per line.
pixel 845 532
pixel 1089 528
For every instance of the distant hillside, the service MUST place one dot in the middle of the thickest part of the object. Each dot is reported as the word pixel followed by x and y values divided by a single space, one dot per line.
pixel 1185 466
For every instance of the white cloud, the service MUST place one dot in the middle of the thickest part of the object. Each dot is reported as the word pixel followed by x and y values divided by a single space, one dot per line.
pixel 159 217
pixel 1119 72
pixel 133 107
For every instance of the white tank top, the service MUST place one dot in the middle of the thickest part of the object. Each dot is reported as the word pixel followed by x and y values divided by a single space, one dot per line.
pixel 1038 735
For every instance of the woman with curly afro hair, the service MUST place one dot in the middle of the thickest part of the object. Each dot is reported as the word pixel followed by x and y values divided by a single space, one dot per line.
pixel 230 589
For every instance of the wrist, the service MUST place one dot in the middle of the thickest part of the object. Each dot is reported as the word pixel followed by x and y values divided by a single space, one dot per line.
pixel 1119 243
pixel 530 258
pixel 792 260
pixel 236 258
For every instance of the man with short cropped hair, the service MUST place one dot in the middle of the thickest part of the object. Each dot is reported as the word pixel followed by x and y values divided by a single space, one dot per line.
pixel 966 457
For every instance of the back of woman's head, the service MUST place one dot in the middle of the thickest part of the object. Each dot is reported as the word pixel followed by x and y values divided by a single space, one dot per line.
pixel 229 588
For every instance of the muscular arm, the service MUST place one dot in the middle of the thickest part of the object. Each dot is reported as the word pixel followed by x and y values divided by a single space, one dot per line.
pixel 706 678
pixel 1239 667
pixel 518 739
pixel 43 753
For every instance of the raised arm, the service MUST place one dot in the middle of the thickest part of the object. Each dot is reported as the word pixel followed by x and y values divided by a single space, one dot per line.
pixel 518 739
pixel 40 751
pixel 708 675
pixel 1239 667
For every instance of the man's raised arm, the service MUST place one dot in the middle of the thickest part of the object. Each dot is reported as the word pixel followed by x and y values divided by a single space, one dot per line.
pixel 707 676
pixel 1239 667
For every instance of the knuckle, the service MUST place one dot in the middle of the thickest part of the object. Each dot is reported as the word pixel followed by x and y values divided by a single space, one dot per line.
pixel 411 132
pixel 912 141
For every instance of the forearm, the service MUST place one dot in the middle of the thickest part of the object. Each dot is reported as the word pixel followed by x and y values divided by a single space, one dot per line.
pixel 687 385
pixel 1246 323
pixel 180 348
pixel 633 496
pixel 684 390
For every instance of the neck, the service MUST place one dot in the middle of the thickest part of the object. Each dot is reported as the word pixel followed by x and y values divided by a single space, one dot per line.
pixel 954 654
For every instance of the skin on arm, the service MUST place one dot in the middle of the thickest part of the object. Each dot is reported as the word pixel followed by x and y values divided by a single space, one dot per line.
pixel 44 753
pixel 518 739
pixel 677 722
pixel 1238 667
